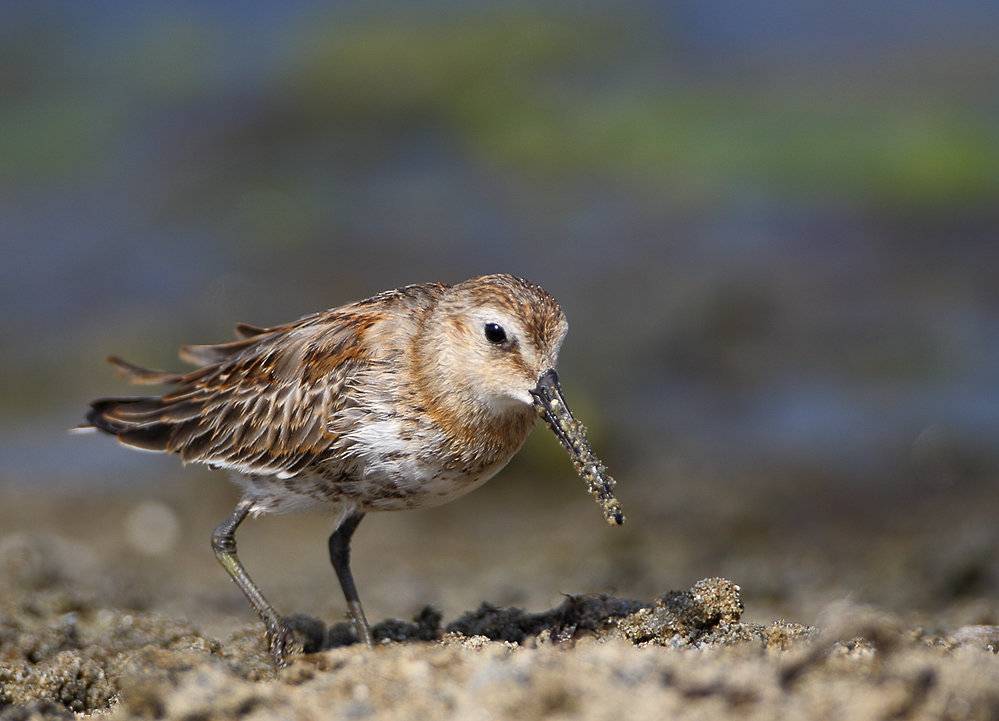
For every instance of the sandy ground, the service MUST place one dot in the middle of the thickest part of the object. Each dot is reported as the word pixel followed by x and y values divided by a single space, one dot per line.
pixel 837 605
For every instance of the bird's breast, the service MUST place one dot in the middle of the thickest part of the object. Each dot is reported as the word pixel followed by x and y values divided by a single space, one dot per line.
pixel 411 461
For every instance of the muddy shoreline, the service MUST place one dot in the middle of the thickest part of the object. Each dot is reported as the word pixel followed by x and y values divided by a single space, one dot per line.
pixel 98 619
pixel 687 654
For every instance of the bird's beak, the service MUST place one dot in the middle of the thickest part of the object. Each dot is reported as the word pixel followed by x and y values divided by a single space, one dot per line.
pixel 551 406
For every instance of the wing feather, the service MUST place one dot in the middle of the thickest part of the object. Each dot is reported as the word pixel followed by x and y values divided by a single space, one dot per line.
pixel 270 401
pixel 143 376
pixel 245 330
pixel 260 404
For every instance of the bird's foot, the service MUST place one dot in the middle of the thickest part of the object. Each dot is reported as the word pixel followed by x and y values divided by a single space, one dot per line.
pixel 294 635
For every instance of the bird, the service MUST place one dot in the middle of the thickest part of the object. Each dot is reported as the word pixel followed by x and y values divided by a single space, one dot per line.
pixel 407 399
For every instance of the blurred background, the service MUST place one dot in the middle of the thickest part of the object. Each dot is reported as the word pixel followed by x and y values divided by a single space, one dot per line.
pixel 772 226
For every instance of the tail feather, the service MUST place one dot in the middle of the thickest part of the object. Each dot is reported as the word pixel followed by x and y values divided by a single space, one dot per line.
pixel 151 422
pixel 147 438
pixel 135 422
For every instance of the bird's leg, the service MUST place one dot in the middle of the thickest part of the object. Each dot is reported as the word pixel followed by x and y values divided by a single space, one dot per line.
pixel 340 556
pixel 280 637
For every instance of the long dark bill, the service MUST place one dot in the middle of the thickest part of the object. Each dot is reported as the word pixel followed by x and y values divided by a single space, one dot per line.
pixel 551 406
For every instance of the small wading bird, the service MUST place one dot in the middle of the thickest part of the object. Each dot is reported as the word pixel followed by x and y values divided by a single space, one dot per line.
pixel 408 399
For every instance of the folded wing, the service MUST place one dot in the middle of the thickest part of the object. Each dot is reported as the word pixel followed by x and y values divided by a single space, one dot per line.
pixel 261 404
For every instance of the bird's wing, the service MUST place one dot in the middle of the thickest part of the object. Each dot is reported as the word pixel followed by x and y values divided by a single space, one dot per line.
pixel 261 404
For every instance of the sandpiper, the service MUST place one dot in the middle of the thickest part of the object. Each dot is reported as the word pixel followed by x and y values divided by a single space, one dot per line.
pixel 408 399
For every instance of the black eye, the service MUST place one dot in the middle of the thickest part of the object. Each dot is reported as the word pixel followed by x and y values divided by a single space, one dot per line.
pixel 495 333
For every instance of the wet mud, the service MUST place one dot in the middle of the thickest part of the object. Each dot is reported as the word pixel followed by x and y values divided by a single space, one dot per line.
pixel 65 651
pixel 93 626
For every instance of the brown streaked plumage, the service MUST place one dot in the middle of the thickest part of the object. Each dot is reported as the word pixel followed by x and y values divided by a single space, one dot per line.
pixel 404 400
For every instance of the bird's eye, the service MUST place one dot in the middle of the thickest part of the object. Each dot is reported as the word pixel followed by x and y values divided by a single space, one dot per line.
pixel 495 333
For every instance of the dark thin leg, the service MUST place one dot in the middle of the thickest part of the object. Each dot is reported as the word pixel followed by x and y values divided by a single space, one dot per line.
pixel 279 635
pixel 340 556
